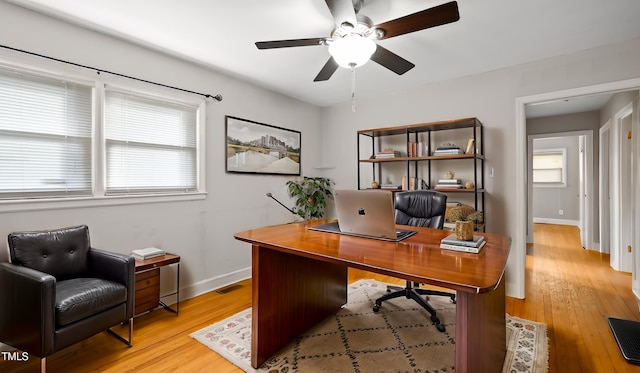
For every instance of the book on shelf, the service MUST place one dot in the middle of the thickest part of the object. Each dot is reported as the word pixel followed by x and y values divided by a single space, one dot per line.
pixel 449 181
pixel 415 149
pixel 147 253
pixel 388 154
pixel 449 186
pixel 448 151
pixel 390 186
pixel 461 248
pixel 451 239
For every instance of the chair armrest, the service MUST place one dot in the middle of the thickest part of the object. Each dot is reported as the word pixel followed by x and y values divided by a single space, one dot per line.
pixel 114 267
pixel 27 309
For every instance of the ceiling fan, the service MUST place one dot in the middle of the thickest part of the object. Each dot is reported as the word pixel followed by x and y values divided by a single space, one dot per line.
pixel 352 42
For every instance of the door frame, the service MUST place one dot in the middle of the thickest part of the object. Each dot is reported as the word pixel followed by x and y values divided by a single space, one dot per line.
pixel 604 191
pixel 621 185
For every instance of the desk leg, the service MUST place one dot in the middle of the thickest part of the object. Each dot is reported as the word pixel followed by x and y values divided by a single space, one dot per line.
pixel 481 331
pixel 290 294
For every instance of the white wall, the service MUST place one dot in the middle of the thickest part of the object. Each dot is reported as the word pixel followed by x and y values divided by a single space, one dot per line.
pixel 201 232
pixel 491 97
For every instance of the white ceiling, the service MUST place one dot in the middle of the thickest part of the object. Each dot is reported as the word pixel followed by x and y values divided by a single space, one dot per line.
pixel 491 34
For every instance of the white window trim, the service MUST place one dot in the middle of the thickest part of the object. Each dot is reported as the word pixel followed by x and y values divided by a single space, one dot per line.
pixel 562 184
pixel 57 70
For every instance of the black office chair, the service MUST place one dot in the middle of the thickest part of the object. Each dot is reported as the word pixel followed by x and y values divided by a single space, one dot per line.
pixel 420 208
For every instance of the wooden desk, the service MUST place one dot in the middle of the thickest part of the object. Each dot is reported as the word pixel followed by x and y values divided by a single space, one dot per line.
pixel 147 274
pixel 300 278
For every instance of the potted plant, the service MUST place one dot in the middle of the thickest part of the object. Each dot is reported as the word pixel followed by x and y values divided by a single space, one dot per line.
pixel 311 194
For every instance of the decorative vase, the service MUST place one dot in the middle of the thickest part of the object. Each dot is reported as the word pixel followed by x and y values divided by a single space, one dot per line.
pixel 464 230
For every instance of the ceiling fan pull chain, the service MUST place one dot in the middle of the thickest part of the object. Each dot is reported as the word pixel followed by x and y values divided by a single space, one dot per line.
pixel 353 88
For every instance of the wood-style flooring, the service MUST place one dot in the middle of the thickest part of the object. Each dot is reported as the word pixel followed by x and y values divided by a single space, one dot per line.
pixel 570 289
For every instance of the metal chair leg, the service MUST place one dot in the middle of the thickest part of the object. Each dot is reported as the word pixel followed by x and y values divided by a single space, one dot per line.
pixel 43 365
pixel 122 339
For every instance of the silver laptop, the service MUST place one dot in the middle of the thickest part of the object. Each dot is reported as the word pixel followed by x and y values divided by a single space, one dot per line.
pixel 365 213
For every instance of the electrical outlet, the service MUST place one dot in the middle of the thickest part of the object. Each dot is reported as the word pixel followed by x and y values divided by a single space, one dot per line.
pixel 560 212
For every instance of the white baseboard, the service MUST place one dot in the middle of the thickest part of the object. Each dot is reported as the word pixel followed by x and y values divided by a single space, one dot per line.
pixel 557 221
pixel 205 286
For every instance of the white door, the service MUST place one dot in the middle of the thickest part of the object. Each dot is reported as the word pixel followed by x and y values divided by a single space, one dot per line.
pixel 626 194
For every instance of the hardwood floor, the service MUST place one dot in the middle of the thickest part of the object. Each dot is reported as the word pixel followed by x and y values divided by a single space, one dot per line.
pixel 570 289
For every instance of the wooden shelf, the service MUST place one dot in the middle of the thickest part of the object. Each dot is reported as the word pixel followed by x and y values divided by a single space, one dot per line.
pixel 459 190
pixel 422 127
pixel 424 158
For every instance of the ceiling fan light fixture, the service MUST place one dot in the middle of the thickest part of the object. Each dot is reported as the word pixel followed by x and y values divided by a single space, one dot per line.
pixel 352 50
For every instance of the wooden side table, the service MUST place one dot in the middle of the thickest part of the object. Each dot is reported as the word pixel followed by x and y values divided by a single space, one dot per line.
pixel 147 274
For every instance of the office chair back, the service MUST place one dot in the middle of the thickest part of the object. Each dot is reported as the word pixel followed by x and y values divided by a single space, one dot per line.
pixel 421 208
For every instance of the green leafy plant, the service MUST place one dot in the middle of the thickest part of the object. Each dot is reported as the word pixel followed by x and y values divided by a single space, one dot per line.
pixel 311 194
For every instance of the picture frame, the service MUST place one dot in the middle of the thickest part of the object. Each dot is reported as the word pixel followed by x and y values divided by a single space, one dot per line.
pixel 258 148
pixel 470 144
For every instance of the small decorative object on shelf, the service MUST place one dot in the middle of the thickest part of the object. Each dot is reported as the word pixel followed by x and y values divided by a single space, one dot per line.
pixel 470 144
pixel 469 185
pixel 375 185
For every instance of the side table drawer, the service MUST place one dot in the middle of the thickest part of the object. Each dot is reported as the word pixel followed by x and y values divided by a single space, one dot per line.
pixel 147 291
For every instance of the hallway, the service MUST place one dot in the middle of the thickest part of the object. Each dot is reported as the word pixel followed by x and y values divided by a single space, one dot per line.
pixel 573 291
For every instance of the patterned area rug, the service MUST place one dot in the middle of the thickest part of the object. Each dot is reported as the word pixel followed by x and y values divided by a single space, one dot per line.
pixel 399 338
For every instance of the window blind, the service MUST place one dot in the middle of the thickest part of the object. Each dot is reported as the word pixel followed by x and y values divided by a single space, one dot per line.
pixel 45 137
pixel 150 145
pixel 548 168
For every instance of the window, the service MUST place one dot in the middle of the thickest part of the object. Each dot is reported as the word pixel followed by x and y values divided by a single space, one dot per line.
pixel 150 145
pixel 45 137
pixel 147 143
pixel 549 167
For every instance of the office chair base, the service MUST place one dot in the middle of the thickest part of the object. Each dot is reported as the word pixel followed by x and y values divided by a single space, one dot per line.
pixel 411 291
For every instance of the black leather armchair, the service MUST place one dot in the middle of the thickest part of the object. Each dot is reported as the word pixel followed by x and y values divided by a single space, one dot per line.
pixel 420 208
pixel 58 290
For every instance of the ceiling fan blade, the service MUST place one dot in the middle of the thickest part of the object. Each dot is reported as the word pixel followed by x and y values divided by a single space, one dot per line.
pixel 342 11
pixel 290 43
pixel 391 61
pixel 436 16
pixel 327 70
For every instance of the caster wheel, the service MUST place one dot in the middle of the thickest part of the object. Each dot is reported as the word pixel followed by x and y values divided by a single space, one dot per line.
pixel 440 328
pixel 376 308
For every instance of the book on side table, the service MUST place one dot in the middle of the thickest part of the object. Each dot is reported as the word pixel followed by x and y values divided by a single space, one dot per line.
pixel 472 246
pixel 147 253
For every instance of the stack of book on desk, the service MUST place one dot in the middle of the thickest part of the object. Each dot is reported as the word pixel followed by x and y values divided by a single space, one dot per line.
pixel 147 253
pixel 472 246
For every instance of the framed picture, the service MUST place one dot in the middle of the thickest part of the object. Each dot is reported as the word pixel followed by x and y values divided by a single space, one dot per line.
pixel 258 148
pixel 470 149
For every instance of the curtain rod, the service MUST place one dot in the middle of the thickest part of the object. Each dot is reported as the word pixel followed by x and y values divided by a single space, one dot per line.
pixel 217 97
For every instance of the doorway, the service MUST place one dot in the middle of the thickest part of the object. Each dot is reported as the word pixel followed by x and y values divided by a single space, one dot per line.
pixel 568 200
pixel 519 240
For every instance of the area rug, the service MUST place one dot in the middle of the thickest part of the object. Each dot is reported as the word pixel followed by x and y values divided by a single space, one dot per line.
pixel 399 338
